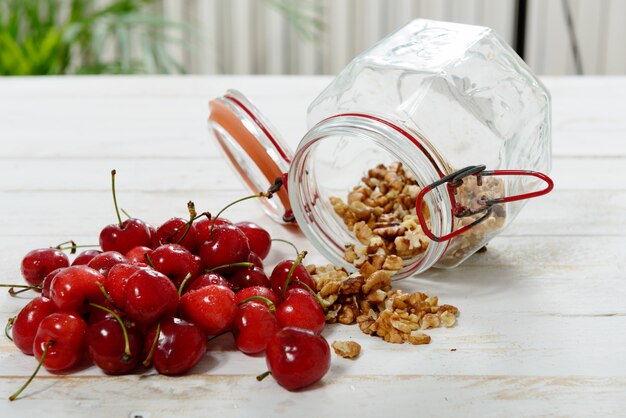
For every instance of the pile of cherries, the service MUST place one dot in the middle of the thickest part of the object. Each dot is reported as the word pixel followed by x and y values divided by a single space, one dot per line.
pixel 157 297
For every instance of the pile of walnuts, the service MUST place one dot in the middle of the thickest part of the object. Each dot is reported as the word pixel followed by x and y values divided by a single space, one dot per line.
pixel 377 308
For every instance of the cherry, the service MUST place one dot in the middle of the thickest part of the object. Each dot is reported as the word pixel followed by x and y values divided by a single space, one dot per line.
pixel 179 346
pixel 27 322
pixel 123 236
pixel 106 346
pixel 254 325
pixel 258 238
pixel 256 260
pixel 74 286
pixel 138 254
pixel 149 295
pixel 85 257
pixel 103 262
pixel 203 227
pixel 300 309
pixel 300 273
pixel 248 292
pixel 45 285
pixel 250 276
pixel 226 245
pixel 38 263
pixel 97 312
pixel 212 307
pixel 207 280
pixel 172 231
pixel 175 261
pixel 116 280
pixel 297 358
pixel 66 334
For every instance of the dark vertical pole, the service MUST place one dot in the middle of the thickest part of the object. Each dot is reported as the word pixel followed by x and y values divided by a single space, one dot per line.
pixel 520 27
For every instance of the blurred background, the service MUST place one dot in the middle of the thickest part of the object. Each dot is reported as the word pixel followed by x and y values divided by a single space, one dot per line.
pixel 47 37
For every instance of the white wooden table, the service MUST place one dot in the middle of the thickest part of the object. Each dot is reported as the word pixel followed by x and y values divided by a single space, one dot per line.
pixel 543 313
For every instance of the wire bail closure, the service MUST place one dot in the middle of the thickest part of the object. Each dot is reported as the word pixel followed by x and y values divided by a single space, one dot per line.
pixel 455 180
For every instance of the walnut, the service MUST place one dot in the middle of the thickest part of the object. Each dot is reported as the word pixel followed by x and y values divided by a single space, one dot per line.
pixel 347 314
pixel 429 321
pixel 379 280
pixel 352 284
pixel 376 296
pixel 417 338
pixel 347 349
pixel 332 313
pixel 453 309
pixel 367 269
pixel 448 319
pixel 393 262
pixel 360 210
pixel 365 324
pixel 363 232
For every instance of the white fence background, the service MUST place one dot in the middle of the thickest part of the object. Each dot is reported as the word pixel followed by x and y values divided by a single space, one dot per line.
pixel 249 37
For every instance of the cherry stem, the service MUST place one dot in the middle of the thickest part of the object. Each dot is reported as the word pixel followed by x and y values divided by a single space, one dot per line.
pixel 149 260
pixel 223 266
pixel 291 270
pixel 30 379
pixel 117 211
pixel 287 242
pixel 127 352
pixel 183 283
pixel 25 288
pixel 269 303
pixel 191 207
pixel 263 375
pixel 74 247
pixel 9 326
pixel 307 287
pixel 106 295
pixel 219 335
pixel 268 194
pixel 125 213
pixel 148 359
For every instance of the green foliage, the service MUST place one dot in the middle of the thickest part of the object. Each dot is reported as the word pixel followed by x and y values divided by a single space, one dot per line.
pixel 45 37
pixel 48 37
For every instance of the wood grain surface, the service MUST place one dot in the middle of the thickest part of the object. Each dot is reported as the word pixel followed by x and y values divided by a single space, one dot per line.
pixel 542 330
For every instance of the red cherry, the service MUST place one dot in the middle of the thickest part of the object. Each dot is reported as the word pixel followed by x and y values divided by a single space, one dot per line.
pixel 300 309
pixel 254 326
pixel 138 254
pixel 94 314
pixel 27 322
pixel 38 263
pixel 171 232
pixel 227 245
pixel 281 271
pixel 85 257
pixel 256 260
pixel 207 280
pixel 211 307
pixel 175 261
pixel 179 347
pixel 66 334
pixel 297 357
pixel 105 346
pixel 249 276
pixel 116 280
pixel 149 295
pixel 248 292
pixel 259 239
pixel 122 238
pixel 74 286
pixel 203 227
pixel 45 285
pixel 103 262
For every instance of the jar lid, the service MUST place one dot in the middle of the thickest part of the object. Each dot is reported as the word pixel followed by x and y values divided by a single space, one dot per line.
pixel 253 147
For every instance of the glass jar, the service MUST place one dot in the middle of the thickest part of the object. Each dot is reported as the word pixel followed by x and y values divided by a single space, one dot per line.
pixel 452 103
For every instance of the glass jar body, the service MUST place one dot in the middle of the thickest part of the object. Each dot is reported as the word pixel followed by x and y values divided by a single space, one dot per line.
pixel 463 94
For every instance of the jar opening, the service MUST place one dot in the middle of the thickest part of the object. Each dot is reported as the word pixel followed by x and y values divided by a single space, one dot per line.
pixel 332 159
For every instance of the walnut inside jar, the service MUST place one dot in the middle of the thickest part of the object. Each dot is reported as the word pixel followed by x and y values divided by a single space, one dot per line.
pixel 380 212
